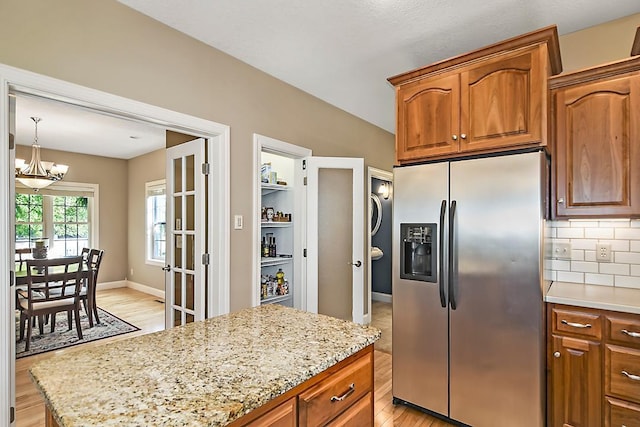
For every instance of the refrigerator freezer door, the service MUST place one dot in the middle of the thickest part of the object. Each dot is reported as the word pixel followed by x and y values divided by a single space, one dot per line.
pixel 420 341
pixel 496 330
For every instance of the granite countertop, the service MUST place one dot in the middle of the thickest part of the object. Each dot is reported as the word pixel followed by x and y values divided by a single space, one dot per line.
pixel 205 373
pixel 626 300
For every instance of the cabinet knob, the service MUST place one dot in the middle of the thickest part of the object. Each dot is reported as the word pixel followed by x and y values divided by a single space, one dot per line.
pixel 463 135
pixel 561 200
pixel 454 137
pixel 556 354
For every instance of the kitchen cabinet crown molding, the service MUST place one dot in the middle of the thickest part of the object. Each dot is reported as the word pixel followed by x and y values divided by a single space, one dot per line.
pixel 597 72
pixel 548 35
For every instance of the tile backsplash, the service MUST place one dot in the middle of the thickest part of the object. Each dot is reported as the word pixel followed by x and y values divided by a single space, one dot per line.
pixel 583 236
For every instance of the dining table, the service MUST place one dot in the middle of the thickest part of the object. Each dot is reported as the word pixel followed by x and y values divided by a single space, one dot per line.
pixel 21 281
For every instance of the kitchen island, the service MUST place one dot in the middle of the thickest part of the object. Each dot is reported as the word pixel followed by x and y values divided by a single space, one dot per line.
pixel 229 369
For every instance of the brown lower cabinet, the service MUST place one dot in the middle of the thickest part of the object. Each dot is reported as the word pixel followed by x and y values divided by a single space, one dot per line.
pixel 340 396
pixel 593 364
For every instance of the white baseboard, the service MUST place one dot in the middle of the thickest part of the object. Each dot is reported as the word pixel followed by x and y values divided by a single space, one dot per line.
pixel 379 296
pixel 133 285
pixel 112 285
pixel 146 289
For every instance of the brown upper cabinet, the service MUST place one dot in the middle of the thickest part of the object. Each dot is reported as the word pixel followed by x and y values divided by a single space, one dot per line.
pixel 491 99
pixel 597 152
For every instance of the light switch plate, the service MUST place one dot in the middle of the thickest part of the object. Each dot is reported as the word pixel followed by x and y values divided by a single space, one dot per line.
pixel 237 222
pixel 561 251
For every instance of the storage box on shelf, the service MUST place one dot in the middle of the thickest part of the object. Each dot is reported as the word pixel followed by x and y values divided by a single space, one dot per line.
pixel 491 99
pixel 594 367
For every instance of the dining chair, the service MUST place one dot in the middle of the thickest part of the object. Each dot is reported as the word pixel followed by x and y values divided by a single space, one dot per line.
pixel 88 292
pixel 22 252
pixel 53 286
pixel 85 254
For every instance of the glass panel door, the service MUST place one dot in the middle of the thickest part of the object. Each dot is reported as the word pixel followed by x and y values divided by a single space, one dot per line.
pixel 185 281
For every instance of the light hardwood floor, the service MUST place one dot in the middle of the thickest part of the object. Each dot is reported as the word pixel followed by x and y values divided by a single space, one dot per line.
pixel 145 312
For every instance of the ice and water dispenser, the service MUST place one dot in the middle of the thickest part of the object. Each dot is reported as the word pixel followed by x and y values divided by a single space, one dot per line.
pixel 418 252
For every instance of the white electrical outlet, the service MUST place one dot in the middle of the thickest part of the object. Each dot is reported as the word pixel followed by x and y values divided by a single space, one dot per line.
pixel 561 251
pixel 603 252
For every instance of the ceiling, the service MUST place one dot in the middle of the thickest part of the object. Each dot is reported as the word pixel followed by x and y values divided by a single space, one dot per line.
pixel 76 129
pixel 341 51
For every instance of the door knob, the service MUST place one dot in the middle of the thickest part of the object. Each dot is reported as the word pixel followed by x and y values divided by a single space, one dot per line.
pixel 463 135
pixel 561 200
pixel 556 354
pixel 454 137
pixel 357 263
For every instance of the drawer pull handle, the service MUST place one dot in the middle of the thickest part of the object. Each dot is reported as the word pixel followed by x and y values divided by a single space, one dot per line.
pixel 349 392
pixel 576 325
pixel 631 376
pixel 631 334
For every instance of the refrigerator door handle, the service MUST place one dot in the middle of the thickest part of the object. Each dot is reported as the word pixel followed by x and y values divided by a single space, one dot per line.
pixel 443 296
pixel 452 216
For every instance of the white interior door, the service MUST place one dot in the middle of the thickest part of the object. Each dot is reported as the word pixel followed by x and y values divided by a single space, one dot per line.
pixel 335 237
pixel 185 279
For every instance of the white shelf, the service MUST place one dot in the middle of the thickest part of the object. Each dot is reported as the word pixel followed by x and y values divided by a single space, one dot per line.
pixel 270 188
pixel 269 261
pixel 275 299
pixel 276 224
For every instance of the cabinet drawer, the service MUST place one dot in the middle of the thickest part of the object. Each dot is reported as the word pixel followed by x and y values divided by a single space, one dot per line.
pixel 622 372
pixel 587 324
pixel 336 393
pixel 359 415
pixel 624 329
pixel 621 414
pixel 283 415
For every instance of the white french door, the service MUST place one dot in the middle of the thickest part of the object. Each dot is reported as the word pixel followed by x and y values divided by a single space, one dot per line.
pixel 185 271
pixel 335 237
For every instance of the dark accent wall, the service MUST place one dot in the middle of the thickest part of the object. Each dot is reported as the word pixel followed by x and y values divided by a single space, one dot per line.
pixel 381 269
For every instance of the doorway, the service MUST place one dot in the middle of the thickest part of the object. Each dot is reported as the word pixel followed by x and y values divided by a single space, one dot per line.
pixel 218 136
pixel 380 185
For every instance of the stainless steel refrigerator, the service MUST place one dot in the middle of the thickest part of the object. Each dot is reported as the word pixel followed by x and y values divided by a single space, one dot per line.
pixel 468 312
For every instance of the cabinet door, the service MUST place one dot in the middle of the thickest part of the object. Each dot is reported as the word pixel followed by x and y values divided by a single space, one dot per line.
pixel 576 383
pixel 503 101
pixel 428 118
pixel 598 152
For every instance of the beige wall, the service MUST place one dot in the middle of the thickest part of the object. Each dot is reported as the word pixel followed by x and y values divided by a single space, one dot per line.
pixel 142 169
pixel 107 46
pixel 600 44
pixel 111 176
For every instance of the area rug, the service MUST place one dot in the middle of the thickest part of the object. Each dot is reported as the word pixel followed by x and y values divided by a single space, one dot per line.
pixel 109 326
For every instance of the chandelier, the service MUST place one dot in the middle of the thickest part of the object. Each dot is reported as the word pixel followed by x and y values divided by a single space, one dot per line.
pixel 38 174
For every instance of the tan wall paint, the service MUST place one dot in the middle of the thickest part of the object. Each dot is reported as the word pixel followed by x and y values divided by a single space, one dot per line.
pixel 600 44
pixel 142 169
pixel 111 176
pixel 107 46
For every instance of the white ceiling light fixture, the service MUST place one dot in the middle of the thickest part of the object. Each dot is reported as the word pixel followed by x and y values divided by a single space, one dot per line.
pixel 38 174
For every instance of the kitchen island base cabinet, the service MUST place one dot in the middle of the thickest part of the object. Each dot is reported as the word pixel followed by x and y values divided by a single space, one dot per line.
pixel 340 396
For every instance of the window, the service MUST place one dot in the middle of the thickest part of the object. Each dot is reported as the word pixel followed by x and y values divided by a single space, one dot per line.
pixel 29 220
pixel 156 217
pixel 60 215
pixel 70 224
